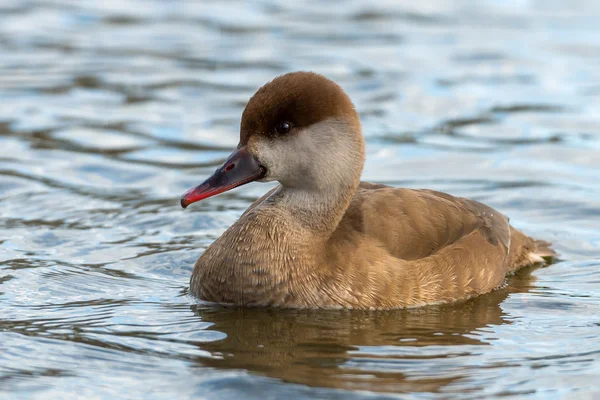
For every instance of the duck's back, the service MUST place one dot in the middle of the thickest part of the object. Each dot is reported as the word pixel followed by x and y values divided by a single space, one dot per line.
pixel 408 247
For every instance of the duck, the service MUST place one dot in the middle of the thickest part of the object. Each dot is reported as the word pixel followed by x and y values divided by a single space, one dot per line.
pixel 322 238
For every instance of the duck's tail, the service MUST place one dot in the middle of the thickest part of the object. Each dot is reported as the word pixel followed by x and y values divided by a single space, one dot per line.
pixel 526 251
pixel 543 252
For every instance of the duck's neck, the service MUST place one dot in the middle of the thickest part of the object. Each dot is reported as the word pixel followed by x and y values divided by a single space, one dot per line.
pixel 318 211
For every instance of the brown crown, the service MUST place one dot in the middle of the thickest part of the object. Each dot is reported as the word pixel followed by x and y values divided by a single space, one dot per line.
pixel 300 98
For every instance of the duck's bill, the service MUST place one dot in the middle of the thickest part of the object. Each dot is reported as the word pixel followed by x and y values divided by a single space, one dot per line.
pixel 240 168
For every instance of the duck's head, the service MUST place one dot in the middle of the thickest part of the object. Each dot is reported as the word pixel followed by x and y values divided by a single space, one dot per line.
pixel 300 129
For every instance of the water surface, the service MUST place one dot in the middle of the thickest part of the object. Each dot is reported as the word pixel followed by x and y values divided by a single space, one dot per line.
pixel 111 110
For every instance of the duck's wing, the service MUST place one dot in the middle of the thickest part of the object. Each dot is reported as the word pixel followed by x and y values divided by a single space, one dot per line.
pixel 413 224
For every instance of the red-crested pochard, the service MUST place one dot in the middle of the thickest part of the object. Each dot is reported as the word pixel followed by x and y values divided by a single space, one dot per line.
pixel 324 239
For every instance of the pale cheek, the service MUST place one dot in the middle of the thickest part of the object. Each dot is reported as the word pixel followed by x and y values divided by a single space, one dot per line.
pixel 268 154
pixel 282 159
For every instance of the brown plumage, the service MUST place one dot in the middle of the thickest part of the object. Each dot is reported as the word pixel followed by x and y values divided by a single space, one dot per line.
pixel 322 238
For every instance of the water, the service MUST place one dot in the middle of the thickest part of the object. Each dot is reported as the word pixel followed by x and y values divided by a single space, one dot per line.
pixel 111 110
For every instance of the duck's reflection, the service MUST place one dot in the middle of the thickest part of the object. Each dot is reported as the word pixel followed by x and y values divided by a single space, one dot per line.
pixel 333 348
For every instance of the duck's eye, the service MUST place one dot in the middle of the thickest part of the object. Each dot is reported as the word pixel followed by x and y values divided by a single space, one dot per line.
pixel 283 128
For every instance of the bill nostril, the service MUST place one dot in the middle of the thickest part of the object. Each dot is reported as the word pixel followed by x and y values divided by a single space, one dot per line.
pixel 229 167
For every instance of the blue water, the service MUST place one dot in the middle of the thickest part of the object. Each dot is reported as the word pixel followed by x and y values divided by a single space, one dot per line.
pixel 110 110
